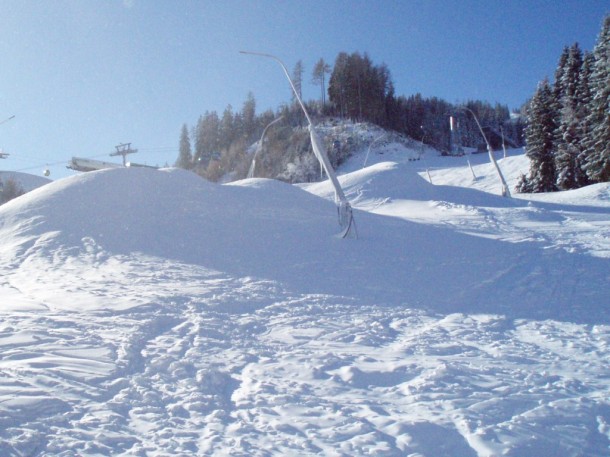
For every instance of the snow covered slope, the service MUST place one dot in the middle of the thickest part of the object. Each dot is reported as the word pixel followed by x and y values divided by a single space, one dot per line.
pixel 26 181
pixel 149 312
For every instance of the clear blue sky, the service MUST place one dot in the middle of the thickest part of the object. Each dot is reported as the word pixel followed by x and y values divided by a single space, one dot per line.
pixel 82 76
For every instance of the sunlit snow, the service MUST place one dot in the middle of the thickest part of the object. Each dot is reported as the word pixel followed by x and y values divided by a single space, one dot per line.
pixel 152 313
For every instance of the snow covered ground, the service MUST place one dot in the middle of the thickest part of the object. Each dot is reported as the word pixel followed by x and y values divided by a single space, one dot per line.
pixel 25 181
pixel 151 313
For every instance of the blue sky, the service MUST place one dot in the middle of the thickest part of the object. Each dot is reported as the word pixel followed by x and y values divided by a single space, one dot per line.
pixel 82 76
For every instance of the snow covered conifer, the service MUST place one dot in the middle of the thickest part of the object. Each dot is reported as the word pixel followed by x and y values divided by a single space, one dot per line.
pixel 583 95
pixel 567 139
pixel 558 86
pixel 571 75
pixel 597 141
pixel 539 140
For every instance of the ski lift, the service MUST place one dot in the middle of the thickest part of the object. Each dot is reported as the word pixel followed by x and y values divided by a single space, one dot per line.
pixel 346 219
pixel 46 172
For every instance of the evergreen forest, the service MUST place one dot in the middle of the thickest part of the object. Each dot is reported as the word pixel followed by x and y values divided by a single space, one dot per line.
pixel 568 121
pixel 565 126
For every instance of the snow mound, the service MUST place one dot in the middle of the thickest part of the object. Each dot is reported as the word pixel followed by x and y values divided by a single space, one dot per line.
pixel 276 232
pixel 400 181
pixel 150 312
pixel 169 213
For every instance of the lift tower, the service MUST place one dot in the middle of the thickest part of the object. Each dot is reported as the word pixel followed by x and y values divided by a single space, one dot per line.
pixel 4 155
pixel 123 150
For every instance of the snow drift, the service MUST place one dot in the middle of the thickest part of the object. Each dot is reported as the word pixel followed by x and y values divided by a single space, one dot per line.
pixel 147 312
pixel 276 232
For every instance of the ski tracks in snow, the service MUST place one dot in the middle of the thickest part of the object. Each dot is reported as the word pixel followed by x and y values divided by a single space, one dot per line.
pixel 243 368
pixel 134 355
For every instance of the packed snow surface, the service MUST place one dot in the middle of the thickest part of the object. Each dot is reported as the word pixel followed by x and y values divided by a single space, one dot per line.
pixel 151 313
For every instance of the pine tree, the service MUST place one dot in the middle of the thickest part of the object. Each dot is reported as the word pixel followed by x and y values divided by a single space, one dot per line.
pixel 567 139
pixel 597 142
pixel 583 95
pixel 360 90
pixel 558 89
pixel 226 132
pixel 185 156
pixel 297 79
pixel 539 141
pixel 248 116
pixel 571 75
pixel 320 70
pixel 338 84
pixel 206 136
pixel 565 164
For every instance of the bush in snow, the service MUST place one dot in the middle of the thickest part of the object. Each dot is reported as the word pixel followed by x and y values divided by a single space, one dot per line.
pixel 9 190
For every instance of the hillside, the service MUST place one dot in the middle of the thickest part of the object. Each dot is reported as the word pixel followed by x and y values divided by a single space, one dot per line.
pixel 150 312
pixel 24 181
